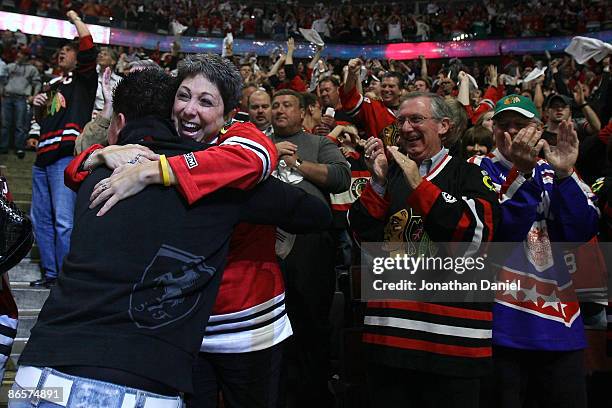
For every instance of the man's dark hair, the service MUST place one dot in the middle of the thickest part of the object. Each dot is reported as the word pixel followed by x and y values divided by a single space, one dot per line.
pixel 393 74
pixel 149 92
pixel 309 99
pixel 426 80
pixel 291 92
pixel 250 85
pixel 218 70
pixel 70 44
pixel 331 79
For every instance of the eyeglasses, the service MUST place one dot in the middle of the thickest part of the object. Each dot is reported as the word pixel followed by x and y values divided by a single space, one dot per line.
pixel 414 120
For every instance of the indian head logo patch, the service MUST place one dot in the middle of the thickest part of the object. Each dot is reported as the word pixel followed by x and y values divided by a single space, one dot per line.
pixel 511 99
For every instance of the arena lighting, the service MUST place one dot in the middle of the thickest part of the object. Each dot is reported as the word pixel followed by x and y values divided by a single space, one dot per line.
pixel 49 27
pixel 456 48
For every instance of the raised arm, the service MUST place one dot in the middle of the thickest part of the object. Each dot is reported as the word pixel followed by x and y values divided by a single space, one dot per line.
pixel 464 89
pixel 80 26
pixel 424 73
pixel 315 58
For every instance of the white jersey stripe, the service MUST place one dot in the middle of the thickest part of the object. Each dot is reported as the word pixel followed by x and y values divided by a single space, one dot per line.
pixel 428 327
pixel 354 111
pixel 249 311
pixel 477 239
pixel 210 330
pixel 248 340
pixel 256 148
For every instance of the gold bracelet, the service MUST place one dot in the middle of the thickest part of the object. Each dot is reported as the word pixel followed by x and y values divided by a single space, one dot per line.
pixel 165 173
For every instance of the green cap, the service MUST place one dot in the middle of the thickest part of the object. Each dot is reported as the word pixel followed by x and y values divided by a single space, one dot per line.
pixel 517 103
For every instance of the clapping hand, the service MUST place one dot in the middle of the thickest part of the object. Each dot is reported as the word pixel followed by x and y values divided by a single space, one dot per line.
pixel 563 156
pixel 376 160
pixel 408 166
pixel 525 147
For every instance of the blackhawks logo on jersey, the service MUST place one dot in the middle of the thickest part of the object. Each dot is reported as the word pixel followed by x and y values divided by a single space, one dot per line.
pixel 405 234
pixel 390 135
pixel 56 103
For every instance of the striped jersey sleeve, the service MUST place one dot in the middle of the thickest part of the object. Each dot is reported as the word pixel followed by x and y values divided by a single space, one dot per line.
pixel 243 157
pixel 372 116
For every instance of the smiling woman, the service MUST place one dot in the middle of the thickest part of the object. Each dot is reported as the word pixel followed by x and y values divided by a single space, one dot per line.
pixel 198 108
pixel 209 89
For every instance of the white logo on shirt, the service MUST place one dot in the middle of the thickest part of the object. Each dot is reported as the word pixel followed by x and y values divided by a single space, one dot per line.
pixel 190 160
pixel 448 198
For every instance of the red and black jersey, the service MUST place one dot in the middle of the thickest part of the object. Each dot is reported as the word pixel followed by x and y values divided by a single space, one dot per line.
pixel 69 107
pixel 490 98
pixel 452 204
pixel 373 116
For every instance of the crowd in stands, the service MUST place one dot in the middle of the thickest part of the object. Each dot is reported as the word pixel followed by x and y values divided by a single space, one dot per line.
pixel 343 22
pixel 386 142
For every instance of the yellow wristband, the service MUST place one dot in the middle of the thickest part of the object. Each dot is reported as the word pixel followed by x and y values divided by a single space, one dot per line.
pixel 165 173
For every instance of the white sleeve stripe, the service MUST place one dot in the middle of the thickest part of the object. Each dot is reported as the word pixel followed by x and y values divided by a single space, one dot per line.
pixel 488 102
pixel 354 111
pixel 513 188
pixel 477 239
pixel 256 148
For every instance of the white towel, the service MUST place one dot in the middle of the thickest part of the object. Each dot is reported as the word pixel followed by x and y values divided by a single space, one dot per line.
pixel 312 36
pixel 585 48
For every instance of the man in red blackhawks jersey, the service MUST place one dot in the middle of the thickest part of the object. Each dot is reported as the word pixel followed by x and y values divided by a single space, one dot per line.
pixel 62 110
pixel 424 354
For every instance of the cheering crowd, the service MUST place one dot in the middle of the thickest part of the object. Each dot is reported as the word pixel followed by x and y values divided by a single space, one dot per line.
pixel 198 216
pixel 352 22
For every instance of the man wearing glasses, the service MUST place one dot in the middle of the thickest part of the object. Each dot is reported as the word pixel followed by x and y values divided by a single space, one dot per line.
pixel 424 354
pixel 538 334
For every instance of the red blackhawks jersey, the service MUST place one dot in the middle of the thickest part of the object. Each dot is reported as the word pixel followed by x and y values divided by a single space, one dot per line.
pixel 373 116
pixel 453 203
pixel 249 313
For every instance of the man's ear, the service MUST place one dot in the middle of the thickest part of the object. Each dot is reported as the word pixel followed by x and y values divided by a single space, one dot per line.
pixel 302 113
pixel 444 127
pixel 121 121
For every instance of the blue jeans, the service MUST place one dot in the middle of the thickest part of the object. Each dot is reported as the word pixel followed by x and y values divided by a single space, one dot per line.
pixel 87 393
pixel 52 214
pixel 14 110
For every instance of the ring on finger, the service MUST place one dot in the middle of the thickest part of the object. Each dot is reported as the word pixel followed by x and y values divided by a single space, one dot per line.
pixel 135 160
